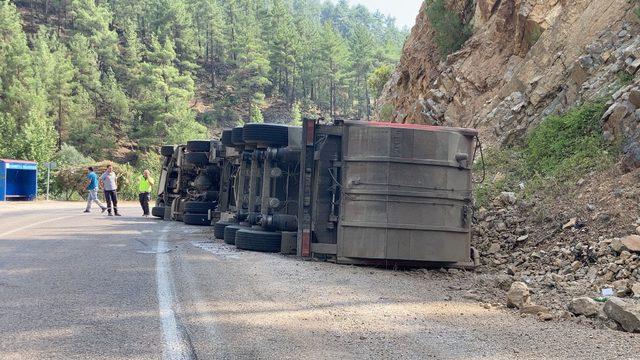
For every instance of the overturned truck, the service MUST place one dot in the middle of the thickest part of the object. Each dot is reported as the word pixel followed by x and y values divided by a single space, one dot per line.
pixel 351 192
pixel 382 193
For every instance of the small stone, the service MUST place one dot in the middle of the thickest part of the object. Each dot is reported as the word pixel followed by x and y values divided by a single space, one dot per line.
pixel 494 248
pixel 570 224
pixel 591 207
pixel 616 245
pixel 501 226
pixel 518 295
pixel 522 238
pixel 545 316
pixel 634 97
pixel 625 314
pixel 534 309
pixel 580 182
pixel 508 198
pixel 635 289
pixel 584 306
pixel 632 68
pixel 471 295
pixel 638 230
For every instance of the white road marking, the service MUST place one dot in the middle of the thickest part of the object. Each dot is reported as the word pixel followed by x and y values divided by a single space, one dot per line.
pixel 34 224
pixel 176 345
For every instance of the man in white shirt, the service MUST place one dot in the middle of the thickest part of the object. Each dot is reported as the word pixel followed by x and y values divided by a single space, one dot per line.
pixel 109 182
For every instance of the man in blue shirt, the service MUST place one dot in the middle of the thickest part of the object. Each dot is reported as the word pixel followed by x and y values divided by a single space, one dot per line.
pixel 92 187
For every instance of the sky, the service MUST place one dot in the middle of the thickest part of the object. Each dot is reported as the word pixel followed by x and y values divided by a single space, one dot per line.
pixel 405 11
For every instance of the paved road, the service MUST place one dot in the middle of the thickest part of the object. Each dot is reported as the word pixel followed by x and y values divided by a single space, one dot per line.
pixel 76 286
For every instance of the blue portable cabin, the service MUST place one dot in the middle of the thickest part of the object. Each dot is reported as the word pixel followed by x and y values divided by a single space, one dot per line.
pixel 18 180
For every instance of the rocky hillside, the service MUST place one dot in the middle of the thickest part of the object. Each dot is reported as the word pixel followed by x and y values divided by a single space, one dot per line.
pixel 525 60
pixel 552 87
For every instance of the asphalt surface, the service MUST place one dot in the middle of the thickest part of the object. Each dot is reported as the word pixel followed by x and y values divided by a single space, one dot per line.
pixel 87 286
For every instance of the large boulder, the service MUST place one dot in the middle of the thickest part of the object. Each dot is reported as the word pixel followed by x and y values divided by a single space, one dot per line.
pixel 631 243
pixel 518 295
pixel 584 306
pixel 625 314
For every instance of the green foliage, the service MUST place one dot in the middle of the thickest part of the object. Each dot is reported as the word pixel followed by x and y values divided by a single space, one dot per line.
pixel 379 78
pixel 561 149
pixel 255 116
pixel 110 78
pixel 534 35
pixel 566 144
pixel 386 112
pixel 624 78
pixel 450 31
pixel 69 155
pixel 296 114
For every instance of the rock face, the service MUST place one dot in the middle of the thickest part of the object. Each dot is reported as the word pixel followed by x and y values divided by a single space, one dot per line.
pixel 527 59
pixel 518 295
pixel 584 306
pixel 625 314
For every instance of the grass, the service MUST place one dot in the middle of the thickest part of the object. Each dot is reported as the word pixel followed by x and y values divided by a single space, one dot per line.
pixel 624 78
pixel 558 152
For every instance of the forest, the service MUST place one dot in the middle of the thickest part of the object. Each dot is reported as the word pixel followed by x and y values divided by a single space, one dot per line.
pixel 114 79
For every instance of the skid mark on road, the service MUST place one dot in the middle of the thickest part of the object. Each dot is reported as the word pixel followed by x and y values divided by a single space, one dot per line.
pixel 13 231
pixel 176 341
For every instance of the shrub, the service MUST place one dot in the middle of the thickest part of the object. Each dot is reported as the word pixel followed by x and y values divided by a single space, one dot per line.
pixel 450 31
pixel 255 115
pixel 560 150
pixel 386 112
pixel 566 144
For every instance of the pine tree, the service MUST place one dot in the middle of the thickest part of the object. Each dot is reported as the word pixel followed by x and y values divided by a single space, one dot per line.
pixel 334 56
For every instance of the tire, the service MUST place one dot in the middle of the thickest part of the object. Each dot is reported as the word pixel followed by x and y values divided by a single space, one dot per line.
pixel 230 233
pixel 236 136
pixel 254 240
pixel 196 219
pixel 158 211
pixel 227 137
pixel 268 134
pixel 199 146
pixel 199 207
pixel 198 159
pixel 218 229
pixel 167 150
pixel 211 196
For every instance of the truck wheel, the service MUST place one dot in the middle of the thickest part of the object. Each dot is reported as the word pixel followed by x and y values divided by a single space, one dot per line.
pixel 268 134
pixel 227 137
pixel 254 240
pixel 196 219
pixel 167 150
pixel 218 229
pixel 236 136
pixel 199 207
pixel 211 195
pixel 230 233
pixel 158 211
pixel 198 159
pixel 199 146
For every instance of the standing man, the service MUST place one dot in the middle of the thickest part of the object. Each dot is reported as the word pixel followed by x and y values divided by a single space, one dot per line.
pixel 92 187
pixel 145 182
pixel 109 182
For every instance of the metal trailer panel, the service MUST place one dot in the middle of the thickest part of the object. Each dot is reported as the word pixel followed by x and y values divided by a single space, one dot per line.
pixel 406 194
